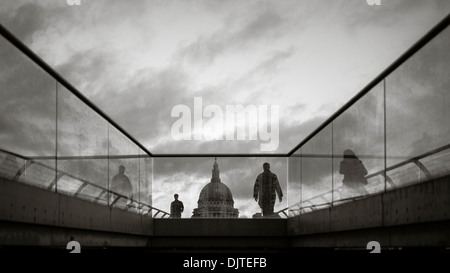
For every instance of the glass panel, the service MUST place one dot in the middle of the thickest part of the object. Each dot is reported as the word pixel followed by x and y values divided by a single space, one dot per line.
pixel 123 171
pixel 82 149
pixel 316 172
pixel 191 178
pixel 358 147
pixel 27 118
pixel 294 183
pixel 145 181
pixel 417 101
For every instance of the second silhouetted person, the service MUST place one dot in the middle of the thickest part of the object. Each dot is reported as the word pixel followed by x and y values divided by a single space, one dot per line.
pixel 176 207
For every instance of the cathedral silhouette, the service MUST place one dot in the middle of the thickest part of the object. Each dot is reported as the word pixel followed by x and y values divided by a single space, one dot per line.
pixel 216 199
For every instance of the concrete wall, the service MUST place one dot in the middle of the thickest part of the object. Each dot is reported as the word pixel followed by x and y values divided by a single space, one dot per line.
pixel 417 215
pixel 211 234
pixel 20 234
pixel 220 227
pixel 21 203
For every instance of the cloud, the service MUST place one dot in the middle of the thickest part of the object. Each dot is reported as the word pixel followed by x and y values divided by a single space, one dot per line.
pixel 24 21
pixel 260 27
pixel 294 132
pixel 246 92
pixel 417 103
pixel 140 97
pixel 148 94
pixel 390 13
pixel 86 68
pixel 28 105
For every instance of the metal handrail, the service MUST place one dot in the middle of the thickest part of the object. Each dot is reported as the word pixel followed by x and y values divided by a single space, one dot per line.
pixel 60 174
pixel 415 160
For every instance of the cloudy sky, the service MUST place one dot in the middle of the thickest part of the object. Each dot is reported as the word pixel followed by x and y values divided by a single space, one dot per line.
pixel 138 60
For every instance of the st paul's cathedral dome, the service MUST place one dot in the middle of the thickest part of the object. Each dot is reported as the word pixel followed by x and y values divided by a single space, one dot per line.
pixel 215 200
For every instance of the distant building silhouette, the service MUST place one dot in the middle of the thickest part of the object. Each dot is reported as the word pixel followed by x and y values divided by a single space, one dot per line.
pixel 215 200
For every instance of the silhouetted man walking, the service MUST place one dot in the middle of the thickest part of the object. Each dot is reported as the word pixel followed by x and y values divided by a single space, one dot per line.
pixel 266 187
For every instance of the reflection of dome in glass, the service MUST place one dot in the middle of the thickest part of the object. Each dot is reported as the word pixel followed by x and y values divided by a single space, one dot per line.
pixel 215 199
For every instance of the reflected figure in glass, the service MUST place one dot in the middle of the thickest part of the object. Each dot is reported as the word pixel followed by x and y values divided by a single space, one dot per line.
pixel 354 175
pixel 121 184
pixel 265 189
pixel 176 207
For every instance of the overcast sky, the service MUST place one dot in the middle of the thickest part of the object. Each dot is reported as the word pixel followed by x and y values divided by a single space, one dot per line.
pixel 137 60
